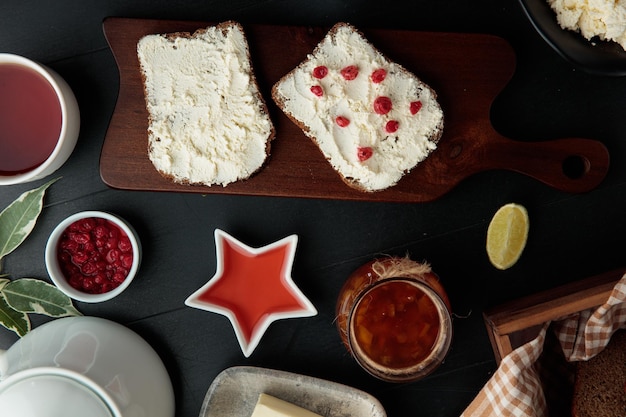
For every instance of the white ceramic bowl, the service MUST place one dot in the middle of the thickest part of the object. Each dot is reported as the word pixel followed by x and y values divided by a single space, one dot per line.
pixel 70 124
pixel 54 268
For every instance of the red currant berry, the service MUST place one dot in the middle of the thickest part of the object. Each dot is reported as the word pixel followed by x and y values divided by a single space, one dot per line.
pixel 87 224
pixel 392 126
pixel 382 105
pixel 79 258
pixel 317 90
pixel 100 244
pixel 111 243
pixel 118 277
pixel 87 284
pixel 127 261
pixel 364 153
pixel 89 268
pixel 69 245
pixel 124 244
pixel 415 106
pixel 112 256
pixel 320 72
pixel 350 72
pixel 342 121
pixel 80 238
pixel 114 232
pixel 379 75
pixel 100 232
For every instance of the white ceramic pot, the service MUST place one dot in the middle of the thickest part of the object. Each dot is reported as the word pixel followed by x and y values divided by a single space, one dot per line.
pixel 83 366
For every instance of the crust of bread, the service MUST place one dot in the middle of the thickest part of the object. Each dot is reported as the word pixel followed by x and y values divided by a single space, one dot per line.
pixel 223 27
pixel 280 100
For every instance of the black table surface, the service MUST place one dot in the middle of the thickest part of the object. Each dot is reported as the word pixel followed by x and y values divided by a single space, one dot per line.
pixel 572 236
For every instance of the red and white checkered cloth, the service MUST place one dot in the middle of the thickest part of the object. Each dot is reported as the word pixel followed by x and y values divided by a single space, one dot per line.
pixel 516 390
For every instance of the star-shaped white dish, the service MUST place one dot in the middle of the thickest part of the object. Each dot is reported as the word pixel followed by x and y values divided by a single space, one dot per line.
pixel 253 287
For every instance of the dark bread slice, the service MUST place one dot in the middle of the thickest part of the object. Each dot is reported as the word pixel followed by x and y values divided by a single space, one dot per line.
pixel 600 382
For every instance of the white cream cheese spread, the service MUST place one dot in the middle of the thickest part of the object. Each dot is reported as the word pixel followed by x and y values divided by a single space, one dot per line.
pixel 371 118
pixel 208 123
pixel 605 19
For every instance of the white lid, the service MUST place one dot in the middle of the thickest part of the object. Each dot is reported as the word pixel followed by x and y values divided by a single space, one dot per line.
pixel 50 396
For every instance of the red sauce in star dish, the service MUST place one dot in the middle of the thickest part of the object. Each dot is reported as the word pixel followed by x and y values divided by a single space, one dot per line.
pixel 246 278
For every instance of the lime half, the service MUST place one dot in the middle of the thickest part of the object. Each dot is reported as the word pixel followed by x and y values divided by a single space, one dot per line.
pixel 507 235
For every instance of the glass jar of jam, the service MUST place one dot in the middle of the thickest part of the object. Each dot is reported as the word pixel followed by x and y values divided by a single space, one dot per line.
pixel 394 317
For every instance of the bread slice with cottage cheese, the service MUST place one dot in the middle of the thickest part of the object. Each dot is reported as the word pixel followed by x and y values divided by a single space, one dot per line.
pixel 208 122
pixel 371 118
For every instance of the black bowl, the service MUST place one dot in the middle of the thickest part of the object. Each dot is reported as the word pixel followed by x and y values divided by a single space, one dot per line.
pixel 593 56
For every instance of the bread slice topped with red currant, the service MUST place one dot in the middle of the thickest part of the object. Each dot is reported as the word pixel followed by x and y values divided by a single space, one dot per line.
pixel 371 118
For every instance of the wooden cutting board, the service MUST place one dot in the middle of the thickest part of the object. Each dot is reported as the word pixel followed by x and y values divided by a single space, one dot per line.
pixel 466 70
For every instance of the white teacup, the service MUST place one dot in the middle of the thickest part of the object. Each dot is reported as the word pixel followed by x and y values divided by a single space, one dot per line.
pixel 27 113
pixel 83 366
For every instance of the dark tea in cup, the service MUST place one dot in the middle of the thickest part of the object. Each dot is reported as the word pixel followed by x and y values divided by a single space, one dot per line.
pixel 39 120
pixel 30 119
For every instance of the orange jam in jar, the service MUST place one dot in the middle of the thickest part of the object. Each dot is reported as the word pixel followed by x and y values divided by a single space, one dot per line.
pixel 393 315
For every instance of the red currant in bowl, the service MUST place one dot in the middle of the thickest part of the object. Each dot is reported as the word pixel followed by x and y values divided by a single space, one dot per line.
pixel 93 256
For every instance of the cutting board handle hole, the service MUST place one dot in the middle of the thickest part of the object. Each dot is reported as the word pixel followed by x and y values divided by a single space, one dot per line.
pixel 456 151
pixel 576 166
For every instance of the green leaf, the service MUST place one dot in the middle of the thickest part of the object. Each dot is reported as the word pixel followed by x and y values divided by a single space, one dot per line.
pixel 13 320
pixel 19 218
pixel 28 295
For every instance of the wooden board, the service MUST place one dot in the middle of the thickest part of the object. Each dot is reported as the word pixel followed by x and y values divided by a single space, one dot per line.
pixel 512 324
pixel 467 71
